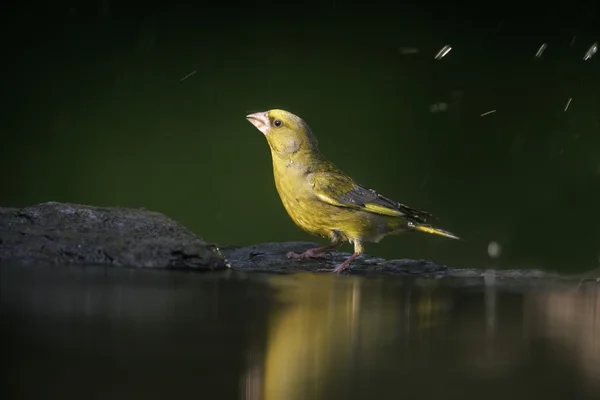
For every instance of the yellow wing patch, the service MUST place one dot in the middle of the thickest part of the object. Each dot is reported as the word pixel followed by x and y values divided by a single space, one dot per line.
pixel 379 209
pixel 328 199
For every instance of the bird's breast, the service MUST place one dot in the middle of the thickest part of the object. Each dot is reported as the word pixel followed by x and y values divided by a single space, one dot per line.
pixel 303 207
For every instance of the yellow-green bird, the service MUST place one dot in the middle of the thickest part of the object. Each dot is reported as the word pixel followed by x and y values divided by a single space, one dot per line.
pixel 323 200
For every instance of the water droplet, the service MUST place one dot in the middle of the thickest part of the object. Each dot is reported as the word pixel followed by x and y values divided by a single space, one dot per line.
pixel 540 51
pixel 591 51
pixel 443 52
pixel 573 40
pixel 442 106
pixel 494 249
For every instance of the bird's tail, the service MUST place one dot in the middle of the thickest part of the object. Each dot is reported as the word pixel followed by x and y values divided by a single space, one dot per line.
pixel 434 231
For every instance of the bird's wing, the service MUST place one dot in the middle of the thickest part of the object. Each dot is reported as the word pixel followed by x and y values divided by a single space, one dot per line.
pixel 340 190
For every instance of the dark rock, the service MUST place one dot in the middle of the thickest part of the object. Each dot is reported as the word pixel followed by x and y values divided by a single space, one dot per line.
pixel 62 234
pixel 58 234
pixel 271 257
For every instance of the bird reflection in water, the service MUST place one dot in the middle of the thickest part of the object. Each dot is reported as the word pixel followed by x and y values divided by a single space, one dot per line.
pixel 323 329
pixel 330 332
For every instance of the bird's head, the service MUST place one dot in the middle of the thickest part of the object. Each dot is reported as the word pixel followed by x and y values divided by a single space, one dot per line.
pixel 286 133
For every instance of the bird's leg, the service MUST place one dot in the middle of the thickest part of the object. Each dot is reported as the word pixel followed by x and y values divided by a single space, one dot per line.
pixel 358 250
pixel 345 264
pixel 317 252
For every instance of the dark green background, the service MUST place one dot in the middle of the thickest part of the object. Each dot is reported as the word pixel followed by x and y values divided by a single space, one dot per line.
pixel 94 112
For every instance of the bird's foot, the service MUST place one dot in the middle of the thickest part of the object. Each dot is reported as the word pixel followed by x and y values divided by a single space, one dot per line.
pixel 340 268
pixel 337 270
pixel 310 253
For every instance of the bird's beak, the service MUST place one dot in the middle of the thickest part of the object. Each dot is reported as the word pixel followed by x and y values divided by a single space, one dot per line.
pixel 260 120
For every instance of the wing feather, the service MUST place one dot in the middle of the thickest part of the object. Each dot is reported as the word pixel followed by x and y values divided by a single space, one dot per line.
pixel 340 190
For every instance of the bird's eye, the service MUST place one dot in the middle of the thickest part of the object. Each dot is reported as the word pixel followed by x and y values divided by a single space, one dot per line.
pixel 277 123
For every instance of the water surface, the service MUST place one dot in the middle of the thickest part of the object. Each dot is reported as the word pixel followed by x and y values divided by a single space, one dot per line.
pixel 109 333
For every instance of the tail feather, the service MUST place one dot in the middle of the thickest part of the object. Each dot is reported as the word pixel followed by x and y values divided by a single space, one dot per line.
pixel 435 231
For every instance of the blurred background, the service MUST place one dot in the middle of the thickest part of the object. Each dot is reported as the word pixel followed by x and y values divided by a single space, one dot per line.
pixel 142 104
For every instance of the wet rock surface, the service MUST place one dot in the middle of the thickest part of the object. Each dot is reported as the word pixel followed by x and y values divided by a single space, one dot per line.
pixel 271 257
pixel 70 234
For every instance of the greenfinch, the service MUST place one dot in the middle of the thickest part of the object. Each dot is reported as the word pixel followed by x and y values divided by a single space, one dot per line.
pixel 324 201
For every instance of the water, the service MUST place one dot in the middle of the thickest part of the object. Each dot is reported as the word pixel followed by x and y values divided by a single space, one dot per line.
pixel 94 333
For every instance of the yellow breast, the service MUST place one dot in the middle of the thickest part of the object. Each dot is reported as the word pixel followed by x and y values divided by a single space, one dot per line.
pixel 301 205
